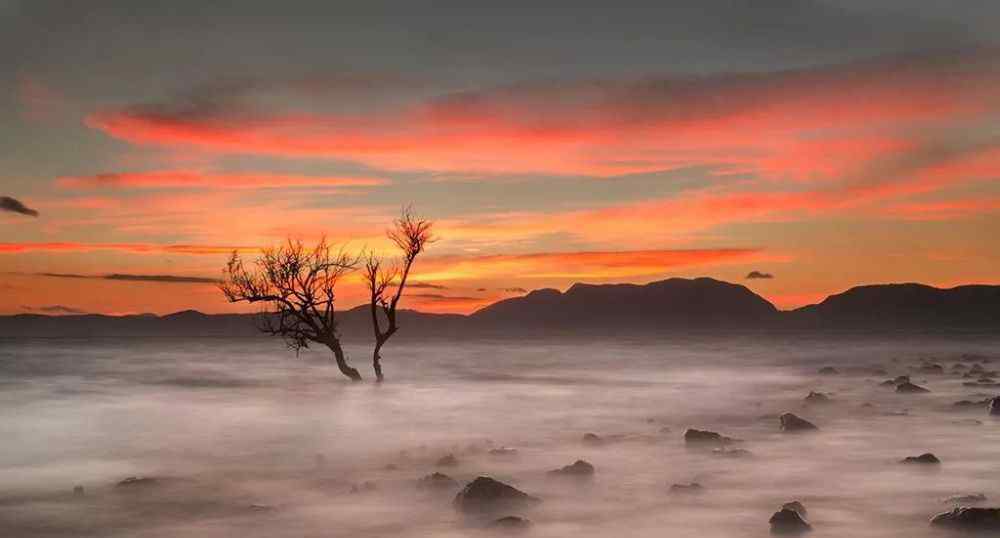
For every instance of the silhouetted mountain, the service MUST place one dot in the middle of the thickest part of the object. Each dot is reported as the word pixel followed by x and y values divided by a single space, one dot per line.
pixel 586 309
pixel 906 306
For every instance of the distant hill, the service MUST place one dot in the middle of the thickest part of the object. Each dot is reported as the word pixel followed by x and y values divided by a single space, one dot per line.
pixel 675 304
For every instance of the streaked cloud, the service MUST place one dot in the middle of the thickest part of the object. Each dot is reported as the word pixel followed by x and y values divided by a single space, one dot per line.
pixel 187 179
pixel 170 279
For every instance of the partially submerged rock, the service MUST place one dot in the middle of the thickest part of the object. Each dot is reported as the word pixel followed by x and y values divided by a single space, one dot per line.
pixel 447 461
pixel 828 370
pixel 705 437
pixel 503 452
pixel 796 506
pixel 732 452
pixel 791 423
pixel 577 468
pixel 817 398
pixel 972 498
pixel 931 369
pixel 592 439
pixel 511 523
pixel 138 482
pixel 437 481
pixel 926 459
pixel 693 487
pixel 786 521
pixel 910 388
pixel 970 519
pixel 485 494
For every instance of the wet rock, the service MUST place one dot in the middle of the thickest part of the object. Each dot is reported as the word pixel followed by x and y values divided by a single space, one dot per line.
pixel 511 523
pixel 900 379
pixel 910 388
pixel 437 481
pixel 732 452
pixel 503 452
pixel 796 506
pixel 926 459
pixel 969 519
pixel 577 468
pixel 260 508
pixel 705 437
pixel 931 369
pixel 447 461
pixel 693 487
pixel 965 404
pixel 138 482
pixel 592 439
pixel 485 494
pixel 887 383
pixel 787 521
pixel 959 366
pixel 364 487
pixel 792 423
pixel 993 407
pixel 828 370
pixel 976 369
pixel 973 498
pixel 817 398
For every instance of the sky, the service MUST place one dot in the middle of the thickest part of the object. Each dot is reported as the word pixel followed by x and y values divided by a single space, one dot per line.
pixel 798 147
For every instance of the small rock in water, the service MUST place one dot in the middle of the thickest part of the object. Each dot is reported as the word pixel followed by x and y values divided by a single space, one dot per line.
pixel 969 519
pixel 828 370
pixel 447 461
pixel 972 403
pixel 792 423
pixel 705 437
pixel 137 482
pixel 592 439
pixel 817 398
pixel 796 506
pixel 578 468
pixel 503 452
pixel 787 521
pixel 485 494
pixel 364 487
pixel 732 452
pixel 511 523
pixel 437 481
pixel 926 458
pixel 931 369
pixel 693 487
pixel 993 408
pixel 966 499
pixel 910 388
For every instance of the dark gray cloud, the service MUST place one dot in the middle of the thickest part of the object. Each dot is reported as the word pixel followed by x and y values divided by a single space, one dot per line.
pixel 432 297
pixel 758 274
pixel 170 279
pixel 515 290
pixel 54 309
pixel 427 285
pixel 15 206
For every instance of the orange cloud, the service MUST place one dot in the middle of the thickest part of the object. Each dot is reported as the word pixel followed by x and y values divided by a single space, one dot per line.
pixel 186 179
pixel 764 122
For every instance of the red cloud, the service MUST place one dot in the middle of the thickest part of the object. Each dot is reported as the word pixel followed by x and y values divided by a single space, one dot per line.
pixel 208 180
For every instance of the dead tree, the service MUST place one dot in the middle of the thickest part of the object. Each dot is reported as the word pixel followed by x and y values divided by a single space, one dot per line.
pixel 297 285
pixel 386 283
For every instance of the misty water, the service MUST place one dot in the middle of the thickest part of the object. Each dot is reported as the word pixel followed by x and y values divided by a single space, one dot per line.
pixel 244 439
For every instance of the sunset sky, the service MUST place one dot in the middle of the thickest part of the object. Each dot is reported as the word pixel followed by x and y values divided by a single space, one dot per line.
pixel 824 144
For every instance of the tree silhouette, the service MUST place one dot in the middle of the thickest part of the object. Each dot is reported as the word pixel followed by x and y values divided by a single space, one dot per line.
pixel 386 282
pixel 297 284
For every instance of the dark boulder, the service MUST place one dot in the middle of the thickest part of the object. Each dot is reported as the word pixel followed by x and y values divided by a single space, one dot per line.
pixel 910 388
pixel 926 458
pixel 437 481
pixel 900 379
pixel 993 407
pixel 791 423
pixel 787 521
pixel 578 468
pixel 796 506
pixel 931 369
pixel 969 519
pixel 485 494
pixel 705 437
pixel 592 439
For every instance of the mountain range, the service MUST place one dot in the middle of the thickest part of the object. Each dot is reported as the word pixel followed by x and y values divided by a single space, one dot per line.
pixel 664 306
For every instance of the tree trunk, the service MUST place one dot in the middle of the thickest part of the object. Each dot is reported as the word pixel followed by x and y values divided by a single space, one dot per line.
pixel 377 362
pixel 346 369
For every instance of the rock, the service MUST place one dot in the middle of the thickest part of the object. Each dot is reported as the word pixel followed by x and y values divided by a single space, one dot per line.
pixel 959 366
pixel 693 487
pixel 926 458
pixel 503 452
pixel 910 388
pixel 447 461
pixel 364 487
pixel 260 508
pixel 705 437
pixel 485 494
pixel 592 439
pixel 971 403
pixel 511 523
pixel 136 482
pixel 796 506
pixel 787 521
pixel 732 452
pixel 993 407
pixel 817 398
pixel 887 383
pixel 931 369
pixel 791 423
pixel 828 370
pixel 578 468
pixel 969 518
pixel 977 369
pixel 900 379
pixel 437 481
pixel 966 499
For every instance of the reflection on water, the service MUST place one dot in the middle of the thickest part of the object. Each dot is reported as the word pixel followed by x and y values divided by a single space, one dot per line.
pixel 243 439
